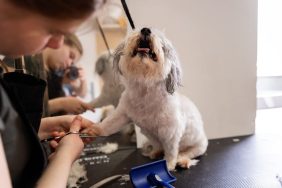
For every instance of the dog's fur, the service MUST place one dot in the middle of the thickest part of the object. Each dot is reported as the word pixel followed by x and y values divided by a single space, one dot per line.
pixel 150 71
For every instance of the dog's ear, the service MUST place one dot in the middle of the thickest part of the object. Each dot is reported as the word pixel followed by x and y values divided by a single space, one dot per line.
pixel 118 52
pixel 173 79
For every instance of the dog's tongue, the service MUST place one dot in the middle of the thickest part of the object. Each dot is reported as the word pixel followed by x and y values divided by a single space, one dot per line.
pixel 144 50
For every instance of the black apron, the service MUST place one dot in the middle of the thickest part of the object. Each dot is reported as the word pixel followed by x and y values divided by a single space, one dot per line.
pixel 21 109
pixel 29 91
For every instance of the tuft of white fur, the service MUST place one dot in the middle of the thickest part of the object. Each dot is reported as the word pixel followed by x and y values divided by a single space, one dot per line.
pixel 193 162
pixel 108 148
pixel 151 74
pixel 77 172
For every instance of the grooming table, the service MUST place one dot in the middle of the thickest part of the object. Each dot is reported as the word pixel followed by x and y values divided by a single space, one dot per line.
pixel 241 162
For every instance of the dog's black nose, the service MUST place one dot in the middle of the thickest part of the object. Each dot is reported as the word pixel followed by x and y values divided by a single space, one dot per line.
pixel 146 31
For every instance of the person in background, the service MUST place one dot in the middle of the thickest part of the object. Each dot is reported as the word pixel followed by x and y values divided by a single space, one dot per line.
pixel 74 82
pixel 63 74
pixel 26 28
pixel 61 67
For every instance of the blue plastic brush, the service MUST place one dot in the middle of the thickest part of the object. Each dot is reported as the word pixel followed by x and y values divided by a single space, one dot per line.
pixel 155 180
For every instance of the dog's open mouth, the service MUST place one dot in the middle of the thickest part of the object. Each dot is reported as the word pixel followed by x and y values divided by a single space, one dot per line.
pixel 144 49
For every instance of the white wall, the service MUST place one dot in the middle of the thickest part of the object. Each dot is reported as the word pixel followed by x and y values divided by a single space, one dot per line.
pixel 89 56
pixel 216 42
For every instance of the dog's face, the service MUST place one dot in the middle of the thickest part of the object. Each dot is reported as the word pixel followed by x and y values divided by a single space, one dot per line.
pixel 147 56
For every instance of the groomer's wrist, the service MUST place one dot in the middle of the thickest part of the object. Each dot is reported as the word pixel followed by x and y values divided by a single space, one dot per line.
pixel 64 157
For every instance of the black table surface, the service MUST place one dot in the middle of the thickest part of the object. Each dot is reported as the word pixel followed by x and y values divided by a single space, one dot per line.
pixel 243 162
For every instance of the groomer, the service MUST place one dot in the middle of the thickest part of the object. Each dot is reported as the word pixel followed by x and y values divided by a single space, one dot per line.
pixel 27 27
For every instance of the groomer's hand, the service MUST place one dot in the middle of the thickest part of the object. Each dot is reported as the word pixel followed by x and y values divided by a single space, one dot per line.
pixel 59 125
pixel 71 145
pixel 75 105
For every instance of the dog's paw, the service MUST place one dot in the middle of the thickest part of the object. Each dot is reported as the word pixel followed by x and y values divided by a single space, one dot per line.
pixel 186 162
pixel 145 154
pixel 156 154
pixel 171 165
pixel 147 149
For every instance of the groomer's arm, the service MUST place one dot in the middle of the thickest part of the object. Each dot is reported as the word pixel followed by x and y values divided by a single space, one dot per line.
pixel 67 150
pixel 56 173
pixel 4 172
pixel 70 105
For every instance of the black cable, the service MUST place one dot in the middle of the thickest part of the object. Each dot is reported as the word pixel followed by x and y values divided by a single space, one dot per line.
pixel 127 14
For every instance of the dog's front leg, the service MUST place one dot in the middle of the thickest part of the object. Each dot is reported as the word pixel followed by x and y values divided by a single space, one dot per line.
pixel 171 148
pixel 102 100
pixel 113 123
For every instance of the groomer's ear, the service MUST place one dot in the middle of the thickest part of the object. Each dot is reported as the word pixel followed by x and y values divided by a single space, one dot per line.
pixel 118 52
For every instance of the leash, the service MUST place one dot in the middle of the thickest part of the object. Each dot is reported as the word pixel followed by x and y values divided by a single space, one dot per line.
pixel 126 10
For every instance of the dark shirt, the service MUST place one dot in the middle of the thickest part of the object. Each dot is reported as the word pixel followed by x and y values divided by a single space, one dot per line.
pixel 25 155
pixel 55 88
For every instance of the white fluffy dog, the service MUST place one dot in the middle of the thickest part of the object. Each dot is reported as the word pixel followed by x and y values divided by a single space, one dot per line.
pixel 150 71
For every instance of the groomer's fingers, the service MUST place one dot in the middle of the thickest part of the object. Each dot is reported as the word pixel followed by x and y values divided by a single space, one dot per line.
pixel 87 106
pixel 76 124
pixel 53 144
